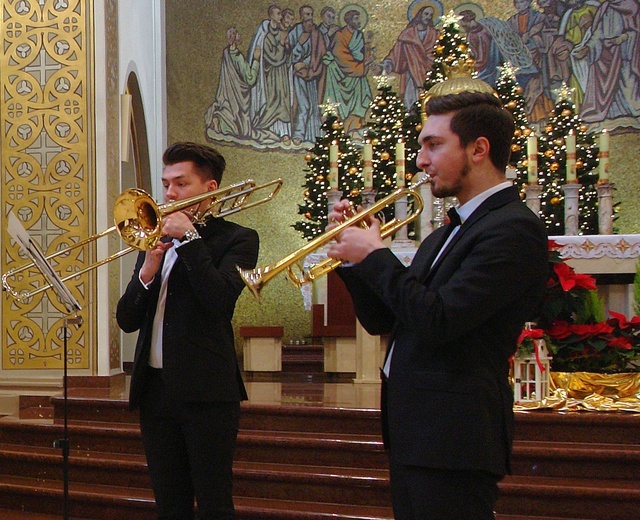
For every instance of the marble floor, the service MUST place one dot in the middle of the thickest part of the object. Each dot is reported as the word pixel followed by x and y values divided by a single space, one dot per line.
pixel 301 390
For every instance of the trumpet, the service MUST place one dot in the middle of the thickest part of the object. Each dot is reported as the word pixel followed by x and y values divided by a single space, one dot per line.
pixel 138 221
pixel 255 279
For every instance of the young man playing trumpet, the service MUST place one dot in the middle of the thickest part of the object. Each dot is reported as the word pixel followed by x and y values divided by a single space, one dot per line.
pixel 186 381
pixel 453 316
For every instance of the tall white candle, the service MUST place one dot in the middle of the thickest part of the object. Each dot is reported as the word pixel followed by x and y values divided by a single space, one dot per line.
pixel 603 165
pixel 400 170
pixel 532 159
pixel 367 170
pixel 570 142
pixel 333 165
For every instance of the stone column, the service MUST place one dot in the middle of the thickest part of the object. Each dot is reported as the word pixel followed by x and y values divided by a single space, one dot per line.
pixel 571 208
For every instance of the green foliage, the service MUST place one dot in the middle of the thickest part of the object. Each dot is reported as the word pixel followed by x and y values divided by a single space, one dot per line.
pixel 315 206
pixel 552 169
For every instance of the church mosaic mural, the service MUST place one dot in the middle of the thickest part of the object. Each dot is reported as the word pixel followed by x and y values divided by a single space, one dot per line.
pixel 299 58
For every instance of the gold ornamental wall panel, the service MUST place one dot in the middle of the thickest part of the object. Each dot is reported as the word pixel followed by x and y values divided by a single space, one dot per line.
pixel 46 135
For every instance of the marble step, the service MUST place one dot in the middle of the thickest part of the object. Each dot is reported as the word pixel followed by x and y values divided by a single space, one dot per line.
pixel 100 502
pixel 363 486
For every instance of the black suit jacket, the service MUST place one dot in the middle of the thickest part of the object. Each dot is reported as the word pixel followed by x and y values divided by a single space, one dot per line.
pixel 447 403
pixel 199 357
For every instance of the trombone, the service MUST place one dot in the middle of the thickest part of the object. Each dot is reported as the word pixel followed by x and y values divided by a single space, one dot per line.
pixel 255 279
pixel 138 221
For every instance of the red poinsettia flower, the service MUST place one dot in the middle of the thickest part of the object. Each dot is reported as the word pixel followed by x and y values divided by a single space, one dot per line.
pixel 591 329
pixel 620 342
pixel 569 279
pixel 559 330
pixel 530 333
pixel 622 320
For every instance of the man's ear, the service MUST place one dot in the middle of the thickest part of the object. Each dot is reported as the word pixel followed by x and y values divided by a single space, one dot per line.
pixel 480 150
pixel 212 185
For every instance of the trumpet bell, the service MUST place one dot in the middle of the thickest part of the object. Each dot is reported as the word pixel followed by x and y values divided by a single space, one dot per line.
pixel 137 219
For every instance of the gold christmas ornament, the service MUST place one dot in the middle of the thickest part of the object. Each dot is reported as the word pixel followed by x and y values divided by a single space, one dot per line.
pixel 515 147
pixel 566 112
pixel 375 142
pixel 554 167
pixel 439 49
pixel 511 105
pixel 353 170
pixel 555 201
pixel 384 156
pixel 308 157
pixel 419 127
pixel 548 129
pixel 459 79
pixel 462 47
pixel 307 215
pixel 527 132
pixel 320 177
pixel 517 133
pixel 584 128
pixel 518 90
pixel 548 153
pixel 336 125
pixel 382 103
pixel 579 164
pixel 354 192
pixel 559 141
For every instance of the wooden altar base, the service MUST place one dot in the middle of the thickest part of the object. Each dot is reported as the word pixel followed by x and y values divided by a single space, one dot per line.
pixel 306 451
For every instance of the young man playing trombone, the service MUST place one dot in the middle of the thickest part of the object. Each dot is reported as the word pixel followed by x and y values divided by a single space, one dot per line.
pixel 453 316
pixel 186 380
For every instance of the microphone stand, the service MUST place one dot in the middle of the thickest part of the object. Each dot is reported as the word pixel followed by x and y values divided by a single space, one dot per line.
pixel 63 443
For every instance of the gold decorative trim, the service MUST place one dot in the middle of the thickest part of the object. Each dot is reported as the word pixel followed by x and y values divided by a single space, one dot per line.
pixel 46 124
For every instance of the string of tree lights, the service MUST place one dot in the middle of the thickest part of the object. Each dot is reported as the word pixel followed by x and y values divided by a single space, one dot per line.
pixel 511 95
pixel 450 49
pixel 384 129
pixel 552 167
pixel 314 208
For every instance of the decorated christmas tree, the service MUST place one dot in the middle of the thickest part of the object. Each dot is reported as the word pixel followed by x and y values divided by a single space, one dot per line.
pixel 450 48
pixel 315 209
pixel 384 130
pixel 552 168
pixel 511 95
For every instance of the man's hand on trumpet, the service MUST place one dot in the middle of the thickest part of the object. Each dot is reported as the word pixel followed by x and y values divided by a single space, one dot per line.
pixel 354 243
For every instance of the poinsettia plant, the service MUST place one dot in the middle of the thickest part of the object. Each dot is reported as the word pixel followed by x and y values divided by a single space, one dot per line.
pixel 579 334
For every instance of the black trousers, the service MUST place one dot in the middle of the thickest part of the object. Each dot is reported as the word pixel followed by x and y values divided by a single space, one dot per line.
pixel 189 449
pixel 419 493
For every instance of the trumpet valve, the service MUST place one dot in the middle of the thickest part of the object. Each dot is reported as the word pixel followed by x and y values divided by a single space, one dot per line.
pixel 252 278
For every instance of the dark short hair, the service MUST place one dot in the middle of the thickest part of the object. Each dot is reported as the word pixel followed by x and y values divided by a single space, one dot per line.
pixel 209 162
pixel 478 114
pixel 349 15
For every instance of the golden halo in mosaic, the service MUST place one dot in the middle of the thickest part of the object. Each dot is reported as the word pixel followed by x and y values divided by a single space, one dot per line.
pixel 416 5
pixel 364 16
pixel 470 6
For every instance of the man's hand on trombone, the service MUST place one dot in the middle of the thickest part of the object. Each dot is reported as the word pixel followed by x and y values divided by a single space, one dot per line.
pixel 174 225
pixel 355 242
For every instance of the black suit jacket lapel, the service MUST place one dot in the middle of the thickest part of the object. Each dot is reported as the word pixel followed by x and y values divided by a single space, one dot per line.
pixel 496 200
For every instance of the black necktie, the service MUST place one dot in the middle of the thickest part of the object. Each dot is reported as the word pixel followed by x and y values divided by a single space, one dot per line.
pixel 454 217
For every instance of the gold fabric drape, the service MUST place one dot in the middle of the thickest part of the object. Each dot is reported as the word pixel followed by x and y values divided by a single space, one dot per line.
pixel 590 391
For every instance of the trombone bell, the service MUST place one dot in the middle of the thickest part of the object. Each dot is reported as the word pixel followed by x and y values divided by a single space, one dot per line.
pixel 137 219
